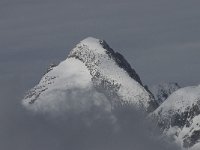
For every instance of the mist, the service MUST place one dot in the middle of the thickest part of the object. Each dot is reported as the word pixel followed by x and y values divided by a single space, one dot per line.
pixel 95 128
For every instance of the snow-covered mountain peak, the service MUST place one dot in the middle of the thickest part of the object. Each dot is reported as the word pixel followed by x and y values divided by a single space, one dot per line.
pixel 181 100
pixel 93 44
pixel 91 66
pixel 96 52
pixel 179 116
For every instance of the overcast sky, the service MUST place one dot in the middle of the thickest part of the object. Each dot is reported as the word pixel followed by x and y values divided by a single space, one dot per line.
pixel 160 39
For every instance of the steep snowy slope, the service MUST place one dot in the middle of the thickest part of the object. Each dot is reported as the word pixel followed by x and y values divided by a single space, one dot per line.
pixel 163 90
pixel 92 64
pixel 179 116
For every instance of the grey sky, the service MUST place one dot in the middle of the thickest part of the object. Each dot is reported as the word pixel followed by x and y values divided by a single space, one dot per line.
pixel 160 39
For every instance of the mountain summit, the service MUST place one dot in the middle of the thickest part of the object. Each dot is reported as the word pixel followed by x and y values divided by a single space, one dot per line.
pixel 92 64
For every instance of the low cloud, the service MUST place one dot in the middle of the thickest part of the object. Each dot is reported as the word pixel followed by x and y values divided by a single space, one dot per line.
pixel 94 128
pixel 84 120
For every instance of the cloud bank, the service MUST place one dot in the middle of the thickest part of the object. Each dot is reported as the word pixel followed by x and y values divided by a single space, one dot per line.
pixel 95 128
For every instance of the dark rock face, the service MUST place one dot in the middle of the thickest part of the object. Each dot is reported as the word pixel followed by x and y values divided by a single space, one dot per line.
pixel 178 119
pixel 189 141
pixel 121 61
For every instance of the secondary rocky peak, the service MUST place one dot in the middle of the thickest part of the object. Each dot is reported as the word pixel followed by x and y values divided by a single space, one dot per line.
pixel 163 90
pixel 179 116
